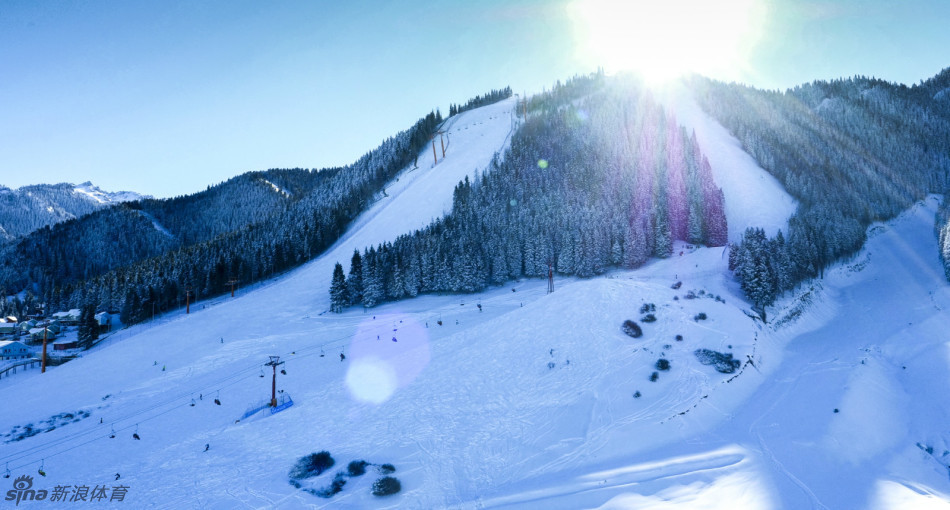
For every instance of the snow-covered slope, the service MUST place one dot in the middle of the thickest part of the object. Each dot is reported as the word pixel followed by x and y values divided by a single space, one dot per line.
pixel 753 197
pixel 515 397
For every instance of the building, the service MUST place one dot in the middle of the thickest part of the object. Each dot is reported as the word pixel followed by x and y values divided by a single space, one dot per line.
pixel 37 334
pixel 69 318
pixel 62 345
pixel 7 329
pixel 11 349
pixel 105 321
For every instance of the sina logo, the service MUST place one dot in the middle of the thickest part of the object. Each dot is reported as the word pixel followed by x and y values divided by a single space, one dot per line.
pixel 21 491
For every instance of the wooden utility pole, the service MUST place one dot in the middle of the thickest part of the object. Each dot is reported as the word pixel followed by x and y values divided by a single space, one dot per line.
pixel 274 361
pixel 43 364
pixel 550 279
pixel 443 144
pixel 188 299
pixel 231 282
pixel 434 155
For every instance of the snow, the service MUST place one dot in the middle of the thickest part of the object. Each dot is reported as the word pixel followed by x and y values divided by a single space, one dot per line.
pixel 276 188
pixel 753 197
pixel 106 197
pixel 528 401
pixel 158 226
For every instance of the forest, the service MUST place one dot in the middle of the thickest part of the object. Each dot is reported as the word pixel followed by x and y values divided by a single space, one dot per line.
pixel 852 151
pixel 608 180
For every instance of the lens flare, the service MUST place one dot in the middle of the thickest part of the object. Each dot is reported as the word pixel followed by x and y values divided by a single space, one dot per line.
pixel 387 353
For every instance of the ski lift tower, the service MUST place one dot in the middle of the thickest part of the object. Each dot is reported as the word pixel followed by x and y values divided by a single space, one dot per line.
pixel 442 134
pixel 274 361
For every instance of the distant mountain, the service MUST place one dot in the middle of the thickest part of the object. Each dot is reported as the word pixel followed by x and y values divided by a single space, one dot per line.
pixel 32 207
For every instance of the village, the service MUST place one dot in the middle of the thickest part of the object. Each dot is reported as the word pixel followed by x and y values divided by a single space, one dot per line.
pixel 23 343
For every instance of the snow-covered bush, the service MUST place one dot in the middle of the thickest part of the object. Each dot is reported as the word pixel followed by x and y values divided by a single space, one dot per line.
pixel 662 364
pixel 723 362
pixel 649 318
pixel 312 465
pixel 632 329
pixel 386 486
pixel 356 468
pixel 339 480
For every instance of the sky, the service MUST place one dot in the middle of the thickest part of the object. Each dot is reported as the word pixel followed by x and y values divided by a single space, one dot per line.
pixel 167 98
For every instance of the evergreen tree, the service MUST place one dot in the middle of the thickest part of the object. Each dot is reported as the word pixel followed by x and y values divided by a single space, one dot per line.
pixel 88 329
pixel 354 283
pixel 338 299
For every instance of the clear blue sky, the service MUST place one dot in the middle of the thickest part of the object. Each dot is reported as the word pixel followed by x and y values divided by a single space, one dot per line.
pixel 166 98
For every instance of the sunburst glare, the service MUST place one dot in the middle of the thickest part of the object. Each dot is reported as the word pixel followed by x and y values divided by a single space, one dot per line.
pixel 664 39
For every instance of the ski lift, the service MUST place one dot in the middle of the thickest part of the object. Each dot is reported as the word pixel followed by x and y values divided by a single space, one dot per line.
pixel 112 432
pixel 283 372
pixel 262 371
pixel 7 473
pixel 321 352
pixel 217 399
pixel 135 435
pixel 192 401
pixel 42 465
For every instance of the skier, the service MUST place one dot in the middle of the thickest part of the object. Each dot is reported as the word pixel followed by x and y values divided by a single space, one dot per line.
pixel 342 356
pixel 117 476
pixel 207 445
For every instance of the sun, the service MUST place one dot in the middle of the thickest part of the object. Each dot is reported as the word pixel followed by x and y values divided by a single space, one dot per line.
pixel 663 39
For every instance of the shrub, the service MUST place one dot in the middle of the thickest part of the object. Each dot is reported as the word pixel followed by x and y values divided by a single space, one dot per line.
pixel 647 308
pixel 312 465
pixel 701 316
pixel 649 318
pixel 723 362
pixel 387 469
pixel 339 480
pixel 551 365
pixel 386 486
pixel 636 394
pixel 690 295
pixel 632 329
pixel 663 364
pixel 679 338
pixel 677 285
pixel 654 376
pixel 356 468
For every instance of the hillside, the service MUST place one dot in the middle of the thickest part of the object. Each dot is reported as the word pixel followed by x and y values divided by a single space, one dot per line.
pixel 29 208
pixel 515 397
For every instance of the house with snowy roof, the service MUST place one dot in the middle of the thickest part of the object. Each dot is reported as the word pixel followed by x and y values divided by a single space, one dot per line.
pixel 70 317
pixel 11 349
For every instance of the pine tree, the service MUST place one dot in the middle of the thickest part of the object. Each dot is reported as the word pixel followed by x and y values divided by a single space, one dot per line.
pixel 88 326
pixel 338 290
pixel 354 283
